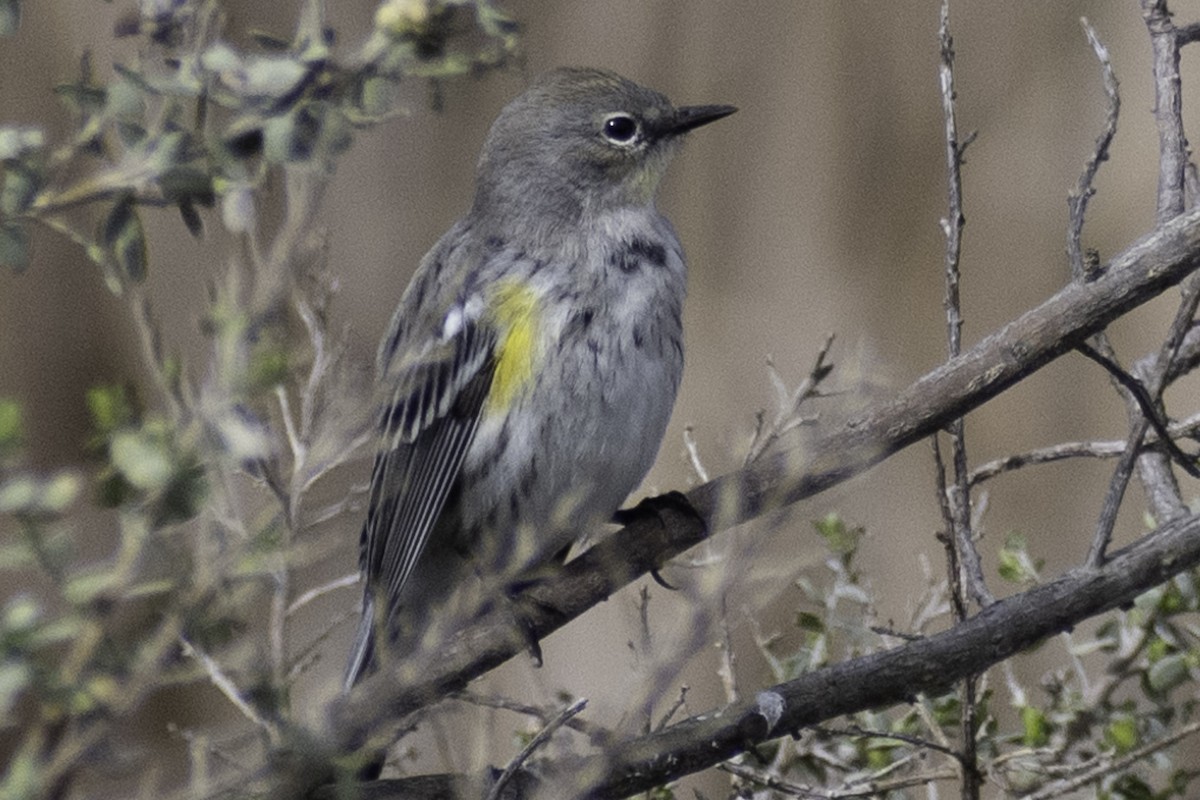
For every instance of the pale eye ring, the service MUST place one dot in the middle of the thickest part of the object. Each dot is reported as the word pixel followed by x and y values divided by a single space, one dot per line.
pixel 620 128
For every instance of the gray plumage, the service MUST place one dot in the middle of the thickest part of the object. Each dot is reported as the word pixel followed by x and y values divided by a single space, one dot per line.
pixel 533 361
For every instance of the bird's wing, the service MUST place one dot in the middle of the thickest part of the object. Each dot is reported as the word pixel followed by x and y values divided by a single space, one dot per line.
pixel 427 428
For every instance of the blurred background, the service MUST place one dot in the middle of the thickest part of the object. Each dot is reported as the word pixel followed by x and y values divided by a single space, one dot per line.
pixel 814 210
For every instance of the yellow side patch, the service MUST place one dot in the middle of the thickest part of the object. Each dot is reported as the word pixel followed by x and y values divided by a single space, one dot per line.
pixel 514 309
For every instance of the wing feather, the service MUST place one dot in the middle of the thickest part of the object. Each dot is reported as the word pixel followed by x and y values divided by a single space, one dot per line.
pixel 426 431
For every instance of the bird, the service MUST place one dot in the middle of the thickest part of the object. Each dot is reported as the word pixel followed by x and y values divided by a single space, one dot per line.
pixel 532 364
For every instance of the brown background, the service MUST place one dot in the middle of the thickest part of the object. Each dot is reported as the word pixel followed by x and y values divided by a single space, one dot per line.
pixel 815 209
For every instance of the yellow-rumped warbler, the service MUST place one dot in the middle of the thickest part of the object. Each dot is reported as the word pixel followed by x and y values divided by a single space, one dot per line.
pixel 533 362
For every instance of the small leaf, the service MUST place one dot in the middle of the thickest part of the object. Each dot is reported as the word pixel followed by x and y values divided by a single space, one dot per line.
pixel 88 586
pixel 126 99
pixel 126 239
pixel 808 621
pixel 220 57
pixel 1167 673
pixel 110 408
pixel 11 432
pixel 1035 725
pixel 82 97
pixel 237 209
pixel 1122 734
pixel 144 462
pixel 130 133
pixel 14 678
pixel 187 183
pixel 1016 566
pixel 191 218
pixel 10 17
pixel 16 141
pixel 841 539
pixel 59 492
pixel 14 247
pixel 21 184
pixel 18 495
pixel 21 613
pixel 272 77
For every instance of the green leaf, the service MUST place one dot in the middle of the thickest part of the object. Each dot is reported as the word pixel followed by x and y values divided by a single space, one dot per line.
pixel 1035 726
pixel 82 97
pixel 183 496
pixel 21 184
pixel 180 183
pixel 125 237
pixel 21 613
pixel 272 77
pixel 1167 673
pixel 841 539
pixel 126 100
pixel 191 218
pixel 11 432
pixel 1016 565
pixel 86 587
pixel 807 621
pixel 220 57
pixel 59 493
pixel 1122 734
pixel 14 247
pixel 14 678
pixel 17 556
pixel 110 408
pixel 16 141
pixel 10 17
pixel 143 462
pixel 18 495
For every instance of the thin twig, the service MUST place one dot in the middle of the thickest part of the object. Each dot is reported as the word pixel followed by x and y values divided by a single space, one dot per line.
pixel 915 741
pixel 788 403
pixel 867 788
pixel 599 736
pixel 1189 427
pixel 1107 767
pixel 1150 413
pixel 318 591
pixel 680 702
pixel 540 739
pixel 1077 200
pixel 225 685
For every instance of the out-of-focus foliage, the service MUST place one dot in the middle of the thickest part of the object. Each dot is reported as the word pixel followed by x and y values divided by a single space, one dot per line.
pixel 151 571
pixel 195 121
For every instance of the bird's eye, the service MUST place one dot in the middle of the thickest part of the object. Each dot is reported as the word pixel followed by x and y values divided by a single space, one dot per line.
pixel 620 129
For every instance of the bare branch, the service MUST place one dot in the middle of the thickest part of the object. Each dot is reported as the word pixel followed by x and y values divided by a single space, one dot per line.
pixel 1077 200
pixel 958 512
pixel 543 736
pixel 1110 766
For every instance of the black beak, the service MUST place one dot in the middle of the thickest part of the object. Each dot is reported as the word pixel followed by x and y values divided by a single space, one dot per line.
pixel 691 117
